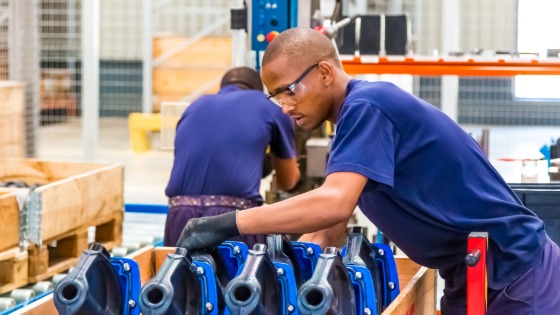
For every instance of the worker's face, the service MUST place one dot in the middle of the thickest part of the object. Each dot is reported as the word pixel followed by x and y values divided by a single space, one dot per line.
pixel 299 90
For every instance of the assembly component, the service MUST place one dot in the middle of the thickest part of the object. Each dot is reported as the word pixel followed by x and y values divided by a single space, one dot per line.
pixel 280 249
pixel 389 275
pixel 288 287
pixel 174 290
pixel 239 19
pixel 129 279
pixel 234 254
pixel 256 289
pixel 92 287
pixel 307 255
pixel 362 282
pixel 360 253
pixel 329 291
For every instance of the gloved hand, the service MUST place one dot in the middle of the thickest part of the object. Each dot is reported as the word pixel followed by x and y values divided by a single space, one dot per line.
pixel 208 232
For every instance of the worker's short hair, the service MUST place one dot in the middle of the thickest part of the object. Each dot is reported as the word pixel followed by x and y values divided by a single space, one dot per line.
pixel 244 76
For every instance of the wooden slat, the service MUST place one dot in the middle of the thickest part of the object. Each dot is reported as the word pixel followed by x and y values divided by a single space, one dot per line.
pixel 13 270
pixel 418 285
pixel 144 258
pixel 79 200
pixel 44 306
pixel 9 220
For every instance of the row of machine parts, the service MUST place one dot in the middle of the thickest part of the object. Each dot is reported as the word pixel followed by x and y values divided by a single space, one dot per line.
pixel 280 277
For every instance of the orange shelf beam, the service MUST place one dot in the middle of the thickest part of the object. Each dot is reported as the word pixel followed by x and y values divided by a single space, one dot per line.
pixel 466 67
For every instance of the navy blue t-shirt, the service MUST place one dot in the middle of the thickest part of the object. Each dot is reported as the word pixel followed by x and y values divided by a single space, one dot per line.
pixel 430 184
pixel 221 141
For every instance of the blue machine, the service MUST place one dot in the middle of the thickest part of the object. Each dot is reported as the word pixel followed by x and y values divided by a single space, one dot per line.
pixel 99 285
pixel 234 255
pixel 307 255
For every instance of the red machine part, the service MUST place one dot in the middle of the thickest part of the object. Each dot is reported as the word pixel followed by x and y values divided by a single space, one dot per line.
pixel 476 273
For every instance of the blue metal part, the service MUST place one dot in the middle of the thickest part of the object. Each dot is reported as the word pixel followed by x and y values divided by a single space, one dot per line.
pixel 389 278
pixel 389 275
pixel 307 255
pixel 288 288
pixel 146 208
pixel 209 288
pixel 234 255
pixel 129 279
pixel 362 282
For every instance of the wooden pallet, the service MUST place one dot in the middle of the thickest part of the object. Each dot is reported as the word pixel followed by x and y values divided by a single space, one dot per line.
pixel 56 255
pixel 63 252
pixel 13 269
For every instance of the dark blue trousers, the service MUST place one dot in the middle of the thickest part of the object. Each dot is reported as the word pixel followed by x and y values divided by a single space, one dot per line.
pixel 534 293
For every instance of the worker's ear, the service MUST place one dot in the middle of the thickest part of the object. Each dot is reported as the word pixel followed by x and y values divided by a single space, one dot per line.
pixel 326 73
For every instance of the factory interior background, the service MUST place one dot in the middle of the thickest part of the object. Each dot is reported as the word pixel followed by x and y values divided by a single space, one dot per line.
pixel 104 82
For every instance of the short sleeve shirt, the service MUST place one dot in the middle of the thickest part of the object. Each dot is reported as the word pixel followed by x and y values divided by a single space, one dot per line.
pixel 430 184
pixel 221 140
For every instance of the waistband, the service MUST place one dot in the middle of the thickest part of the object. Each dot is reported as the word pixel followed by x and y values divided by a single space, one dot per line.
pixel 212 200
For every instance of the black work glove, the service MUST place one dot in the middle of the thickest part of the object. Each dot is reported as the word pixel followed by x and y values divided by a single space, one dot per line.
pixel 208 232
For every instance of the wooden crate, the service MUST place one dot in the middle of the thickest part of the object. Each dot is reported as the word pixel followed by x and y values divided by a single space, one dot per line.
pixel 72 195
pixel 198 66
pixel 9 219
pixel 12 106
pixel 417 283
pixel 13 269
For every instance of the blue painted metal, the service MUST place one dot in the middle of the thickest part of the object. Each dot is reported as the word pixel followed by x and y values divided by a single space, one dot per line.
pixel 129 279
pixel 146 208
pixel 209 288
pixel 389 275
pixel 288 288
pixel 307 255
pixel 234 255
pixel 364 289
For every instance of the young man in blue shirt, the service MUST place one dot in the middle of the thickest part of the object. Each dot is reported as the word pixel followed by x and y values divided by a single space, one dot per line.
pixel 413 172
pixel 220 146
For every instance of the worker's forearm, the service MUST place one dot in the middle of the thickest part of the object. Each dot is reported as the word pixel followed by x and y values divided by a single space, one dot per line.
pixel 326 237
pixel 305 213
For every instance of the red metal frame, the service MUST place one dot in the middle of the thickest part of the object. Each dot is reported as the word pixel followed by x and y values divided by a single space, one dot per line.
pixel 476 273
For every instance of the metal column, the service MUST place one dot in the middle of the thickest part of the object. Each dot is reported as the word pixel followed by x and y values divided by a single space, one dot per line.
pixel 90 77
pixel 147 43
pixel 23 43
pixel 450 42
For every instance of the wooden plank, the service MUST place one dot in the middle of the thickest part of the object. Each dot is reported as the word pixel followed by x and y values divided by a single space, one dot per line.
pixel 418 285
pixel 28 171
pixel 13 270
pixel 160 254
pixel 79 200
pixel 178 81
pixel 46 261
pixel 12 104
pixel 144 258
pixel 9 219
pixel 206 51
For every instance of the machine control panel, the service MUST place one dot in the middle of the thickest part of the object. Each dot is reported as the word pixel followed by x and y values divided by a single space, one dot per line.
pixel 269 18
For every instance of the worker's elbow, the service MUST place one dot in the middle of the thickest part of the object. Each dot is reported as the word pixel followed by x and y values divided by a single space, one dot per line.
pixel 290 182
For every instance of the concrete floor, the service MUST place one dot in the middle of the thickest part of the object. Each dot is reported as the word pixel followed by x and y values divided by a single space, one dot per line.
pixel 146 174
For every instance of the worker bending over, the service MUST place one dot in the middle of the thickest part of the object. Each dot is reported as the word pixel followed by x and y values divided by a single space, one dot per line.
pixel 413 172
